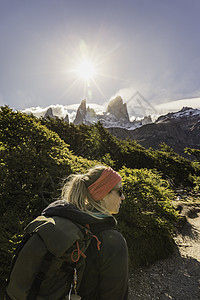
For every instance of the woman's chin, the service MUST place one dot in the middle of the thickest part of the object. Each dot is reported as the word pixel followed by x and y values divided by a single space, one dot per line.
pixel 115 212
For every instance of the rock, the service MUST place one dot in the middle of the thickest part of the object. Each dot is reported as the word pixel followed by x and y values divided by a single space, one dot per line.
pixel 49 113
pixel 195 132
pixel 81 113
pixel 66 119
pixel 146 120
pixel 118 109
pixel 85 115
pixel 90 116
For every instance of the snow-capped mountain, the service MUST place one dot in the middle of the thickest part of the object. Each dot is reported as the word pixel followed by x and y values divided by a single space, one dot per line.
pixel 185 113
pixel 115 115
pixel 178 130
pixel 132 114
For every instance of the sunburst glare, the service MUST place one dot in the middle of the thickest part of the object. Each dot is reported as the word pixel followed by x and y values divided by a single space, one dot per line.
pixel 86 70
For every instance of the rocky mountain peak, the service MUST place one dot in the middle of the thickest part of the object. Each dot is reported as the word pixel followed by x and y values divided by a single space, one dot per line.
pixel 185 113
pixel 185 108
pixel 116 115
pixel 49 113
pixel 118 109
pixel 66 119
pixel 81 113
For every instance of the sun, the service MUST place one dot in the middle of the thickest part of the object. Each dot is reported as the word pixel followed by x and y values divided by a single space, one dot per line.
pixel 86 70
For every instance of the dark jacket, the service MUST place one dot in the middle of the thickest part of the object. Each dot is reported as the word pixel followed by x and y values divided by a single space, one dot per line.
pixel 106 272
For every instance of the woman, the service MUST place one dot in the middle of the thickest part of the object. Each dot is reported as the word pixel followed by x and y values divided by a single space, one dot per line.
pixel 90 200
pixel 95 196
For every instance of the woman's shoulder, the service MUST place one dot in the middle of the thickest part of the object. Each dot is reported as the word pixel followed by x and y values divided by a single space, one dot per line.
pixel 113 248
pixel 111 234
pixel 112 239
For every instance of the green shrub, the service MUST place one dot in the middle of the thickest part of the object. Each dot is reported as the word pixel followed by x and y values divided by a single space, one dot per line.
pixel 146 217
pixel 33 162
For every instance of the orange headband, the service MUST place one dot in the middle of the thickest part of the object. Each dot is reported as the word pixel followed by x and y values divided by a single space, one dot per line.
pixel 104 184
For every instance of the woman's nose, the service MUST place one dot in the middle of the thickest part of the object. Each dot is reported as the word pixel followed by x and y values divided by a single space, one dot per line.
pixel 122 196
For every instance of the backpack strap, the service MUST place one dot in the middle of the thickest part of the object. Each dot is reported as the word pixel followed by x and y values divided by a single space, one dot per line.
pixel 24 240
pixel 94 236
pixel 78 253
pixel 6 297
pixel 44 267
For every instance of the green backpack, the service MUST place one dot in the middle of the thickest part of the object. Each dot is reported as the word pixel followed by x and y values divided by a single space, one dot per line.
pixel 50 261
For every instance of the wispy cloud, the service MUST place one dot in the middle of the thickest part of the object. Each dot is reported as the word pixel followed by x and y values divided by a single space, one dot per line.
pixel 61 111
pixel 177 105
pixel 58 110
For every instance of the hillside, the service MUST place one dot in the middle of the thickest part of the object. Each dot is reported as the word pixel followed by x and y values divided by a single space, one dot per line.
pixel 95 142
pixel 177 130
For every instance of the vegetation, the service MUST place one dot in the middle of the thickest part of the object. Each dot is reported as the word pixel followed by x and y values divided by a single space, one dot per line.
pixel 147 218
pixel 36 154
pixel 193 152
pixel 33 161
pixel 95 142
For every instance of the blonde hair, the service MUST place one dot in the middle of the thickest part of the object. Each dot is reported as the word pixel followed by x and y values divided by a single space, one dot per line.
pixel 75 191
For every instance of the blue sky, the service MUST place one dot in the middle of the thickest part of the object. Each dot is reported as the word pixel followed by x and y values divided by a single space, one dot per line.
pixel 150 46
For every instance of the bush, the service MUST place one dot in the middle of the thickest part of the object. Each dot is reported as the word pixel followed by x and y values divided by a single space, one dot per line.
pixel 146 217
pixel 33 162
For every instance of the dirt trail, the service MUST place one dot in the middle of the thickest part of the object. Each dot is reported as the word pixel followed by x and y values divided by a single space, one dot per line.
pixel 177 277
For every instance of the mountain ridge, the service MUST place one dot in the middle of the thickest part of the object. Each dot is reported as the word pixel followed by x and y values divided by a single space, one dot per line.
pixel 178 130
